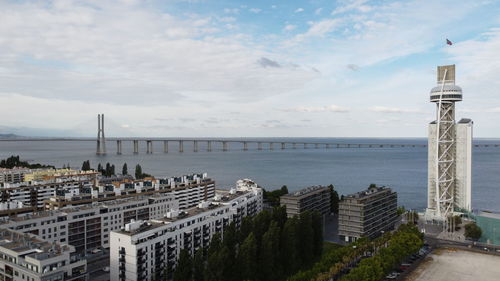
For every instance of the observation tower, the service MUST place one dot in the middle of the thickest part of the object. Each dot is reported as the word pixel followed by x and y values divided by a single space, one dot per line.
pixel 450 151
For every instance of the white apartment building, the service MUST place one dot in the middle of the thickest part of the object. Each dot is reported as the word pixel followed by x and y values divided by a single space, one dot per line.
pixel 25 257
pixel 31 196
pixel 14 175
pixel 148 250
pixel 88 227
pixel 188 190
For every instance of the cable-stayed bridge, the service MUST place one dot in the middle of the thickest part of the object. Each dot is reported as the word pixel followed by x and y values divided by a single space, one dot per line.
pixel 211 144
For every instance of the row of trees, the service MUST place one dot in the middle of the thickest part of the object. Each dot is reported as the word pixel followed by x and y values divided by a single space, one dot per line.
pixel 109 170
pixel 406 241
pixel 15 161
pixel 389 250
pixel 269 246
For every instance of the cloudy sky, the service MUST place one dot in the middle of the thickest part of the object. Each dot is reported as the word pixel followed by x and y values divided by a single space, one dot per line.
pixel 244 68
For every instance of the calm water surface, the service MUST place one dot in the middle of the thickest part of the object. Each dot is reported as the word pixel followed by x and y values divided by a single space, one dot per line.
pixel 349 169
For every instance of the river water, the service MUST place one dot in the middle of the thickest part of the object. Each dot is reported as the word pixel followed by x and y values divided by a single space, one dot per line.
pixel 348 169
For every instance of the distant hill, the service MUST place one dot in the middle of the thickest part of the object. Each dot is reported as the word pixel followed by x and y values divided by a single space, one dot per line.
pixel 10 136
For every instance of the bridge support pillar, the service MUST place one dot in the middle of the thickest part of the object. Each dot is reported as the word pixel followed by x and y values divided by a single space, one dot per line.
pixel 271 146
pixel 316 145
pixel 149 147
pixel 181 146
pixel 259 146
pixel 118 147
pixel 245 146
pixel 327 146
pixel 136 146
pixel 101 140
pixel 209 146
pixel 195 146
pixel 224 146
pixel 282 145
pixel 165 146
pixel 294 145
pixel 305 145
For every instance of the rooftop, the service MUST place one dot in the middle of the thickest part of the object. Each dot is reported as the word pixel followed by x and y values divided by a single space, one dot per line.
pixel 213 205
pixel 368 192
pixel 306 191
pixel 94 206
pixel 30 245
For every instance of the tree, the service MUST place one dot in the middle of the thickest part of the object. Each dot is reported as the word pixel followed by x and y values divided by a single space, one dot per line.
pixel 138 171
pixel 184 268
pixel 473 231
pixel 273 197
pixel 215 244
pixel 99 168
pixel 245 228
pixel 112 171
pixel 284 190
pixel 290 258
pixel 217 265
pixel 248 258
pixel 198 265
pixel 279 215
pixel 317 226
pixel 15 161
pixel 125 169
pixel 401 210
pixel 306 238
pixel 270 253
pixel 372 185
pixel 334 199
pixel 86 166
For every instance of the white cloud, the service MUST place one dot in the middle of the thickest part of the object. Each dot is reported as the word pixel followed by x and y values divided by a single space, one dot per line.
pixel 352 5
pixel 317 29
pixel 299 10
pixel 328 108
pixel 479 60
pixel 384 109
pixel 289 27
pixel 231 10
pixel 227 19
pixel 318 11
pixel 139 64
pixel 255 10
pixel 130 55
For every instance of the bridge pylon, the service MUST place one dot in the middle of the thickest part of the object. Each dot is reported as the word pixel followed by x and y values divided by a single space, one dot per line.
pixel 101 139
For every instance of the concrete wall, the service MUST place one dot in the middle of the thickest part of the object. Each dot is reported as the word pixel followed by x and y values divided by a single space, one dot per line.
pixel 463 180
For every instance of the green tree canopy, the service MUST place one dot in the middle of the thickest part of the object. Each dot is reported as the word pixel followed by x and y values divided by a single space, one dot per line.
pixel 334 199
pixel 138 172
pixel 184 268
pixel 125 169
pixel 473 231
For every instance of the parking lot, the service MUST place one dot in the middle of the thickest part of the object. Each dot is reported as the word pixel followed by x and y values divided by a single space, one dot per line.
pixel 457 265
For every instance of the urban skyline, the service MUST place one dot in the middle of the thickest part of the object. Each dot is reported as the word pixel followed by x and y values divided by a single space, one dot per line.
pixel 348 68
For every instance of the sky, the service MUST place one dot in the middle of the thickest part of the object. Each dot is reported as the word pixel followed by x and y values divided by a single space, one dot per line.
pixel 231 68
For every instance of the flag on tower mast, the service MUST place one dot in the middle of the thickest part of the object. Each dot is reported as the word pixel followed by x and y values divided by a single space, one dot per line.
pixel 448 42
